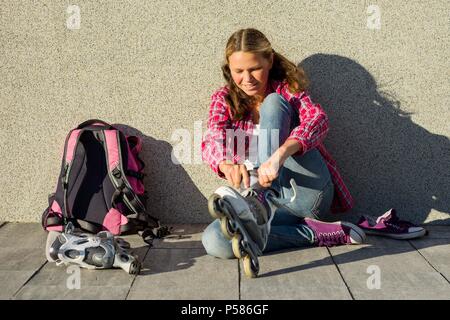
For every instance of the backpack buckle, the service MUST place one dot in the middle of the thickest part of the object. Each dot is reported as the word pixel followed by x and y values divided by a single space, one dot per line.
pixel 69 228
pixel 117 173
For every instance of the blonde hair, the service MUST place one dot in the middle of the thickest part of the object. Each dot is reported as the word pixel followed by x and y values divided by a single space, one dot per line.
pixel 254 41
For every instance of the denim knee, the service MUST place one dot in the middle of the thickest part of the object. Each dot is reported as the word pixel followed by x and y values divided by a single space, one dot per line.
pixel 215 242
pixel 274 99
pixel 313 203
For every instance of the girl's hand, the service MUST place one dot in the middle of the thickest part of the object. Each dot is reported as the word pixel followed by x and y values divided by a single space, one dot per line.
pixel 235 173
pixel 268 171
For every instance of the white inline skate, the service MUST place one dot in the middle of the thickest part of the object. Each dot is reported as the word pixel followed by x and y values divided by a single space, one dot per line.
pixel 245 219
pixel 100 251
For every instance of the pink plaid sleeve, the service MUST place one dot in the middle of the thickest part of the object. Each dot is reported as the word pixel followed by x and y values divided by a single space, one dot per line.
pixel 214 140
pixel 313 126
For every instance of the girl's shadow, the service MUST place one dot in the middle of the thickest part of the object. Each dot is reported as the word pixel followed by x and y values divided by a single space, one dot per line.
pixel 385 158
pixel 172 198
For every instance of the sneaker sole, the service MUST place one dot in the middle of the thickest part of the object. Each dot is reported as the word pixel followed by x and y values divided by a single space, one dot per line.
pixel 358 236
pixel 402 236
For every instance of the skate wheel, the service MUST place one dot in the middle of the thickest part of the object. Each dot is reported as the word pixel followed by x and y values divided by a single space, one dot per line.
pixel 135 267
pixel 213 207
pixel 124 245
pixel 250 269
pixel 236 245
pixel 227 230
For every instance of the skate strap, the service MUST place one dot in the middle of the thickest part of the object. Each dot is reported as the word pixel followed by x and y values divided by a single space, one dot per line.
pixel 53 221
pixel 148 234
pixel 88 226
pixel 76 223
pixel 135 174
pixel 156 233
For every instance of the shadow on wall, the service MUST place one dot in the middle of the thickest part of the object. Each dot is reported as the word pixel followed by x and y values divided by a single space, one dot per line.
pixel 173 197
pixel 385 158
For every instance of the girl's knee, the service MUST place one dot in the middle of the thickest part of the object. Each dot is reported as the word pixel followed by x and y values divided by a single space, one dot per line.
pixel 313 203
pixel 215 242
pixel 271 100
pixel 274 98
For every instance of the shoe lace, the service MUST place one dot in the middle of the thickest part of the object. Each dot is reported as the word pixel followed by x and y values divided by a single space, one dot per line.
pixel 331 238
pixel 399 224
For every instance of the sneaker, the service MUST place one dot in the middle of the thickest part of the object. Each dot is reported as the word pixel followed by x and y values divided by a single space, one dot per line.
pixel 389 225
pixel 329 234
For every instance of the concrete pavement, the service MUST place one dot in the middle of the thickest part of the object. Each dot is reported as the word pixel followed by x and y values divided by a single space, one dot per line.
pixel 178 268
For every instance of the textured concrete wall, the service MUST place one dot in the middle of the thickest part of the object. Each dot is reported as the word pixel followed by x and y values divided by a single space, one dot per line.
pixel 152 65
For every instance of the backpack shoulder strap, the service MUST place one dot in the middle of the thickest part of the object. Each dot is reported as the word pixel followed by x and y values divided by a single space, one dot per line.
pixel 116 172
pixel 70 146
pixel 124 190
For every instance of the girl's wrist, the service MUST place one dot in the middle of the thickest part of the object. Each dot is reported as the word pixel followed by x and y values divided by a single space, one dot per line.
pixel 289 148
pixel 280 156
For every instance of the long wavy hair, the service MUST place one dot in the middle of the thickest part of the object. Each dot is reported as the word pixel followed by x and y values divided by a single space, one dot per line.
pixel 254 41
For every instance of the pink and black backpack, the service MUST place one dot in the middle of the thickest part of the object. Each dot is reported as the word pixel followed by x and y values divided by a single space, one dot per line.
pixel 100 186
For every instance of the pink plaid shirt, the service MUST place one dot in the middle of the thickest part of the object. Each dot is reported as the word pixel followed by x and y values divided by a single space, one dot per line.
pixel 310 134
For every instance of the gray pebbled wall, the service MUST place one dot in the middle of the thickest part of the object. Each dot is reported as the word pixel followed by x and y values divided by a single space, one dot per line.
pixel 152 66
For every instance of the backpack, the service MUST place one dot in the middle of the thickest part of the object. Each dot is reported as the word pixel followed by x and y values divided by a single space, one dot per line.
pixel 100 186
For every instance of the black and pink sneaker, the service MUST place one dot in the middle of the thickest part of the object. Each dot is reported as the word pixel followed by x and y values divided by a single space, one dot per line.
pixel 389 225
pixel 329 234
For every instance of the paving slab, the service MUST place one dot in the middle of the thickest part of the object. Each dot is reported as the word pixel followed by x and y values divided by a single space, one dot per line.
pixel 186 274
pixel 403 272
pixel 437 252
pixel 302 274
pixel 177 267
pixel 58 282
pixel 22 235
pixel 138 247
pixel 21 255
pixel 188 236
pixel 50 282
pixel 437 232
pixel 24 258
pixel 12 281
pixel 59 293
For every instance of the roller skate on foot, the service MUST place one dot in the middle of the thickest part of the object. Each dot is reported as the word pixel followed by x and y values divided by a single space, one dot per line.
pixel 100 251
pixel 245 220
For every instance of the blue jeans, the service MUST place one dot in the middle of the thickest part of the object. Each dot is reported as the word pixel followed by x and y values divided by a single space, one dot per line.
pixel 313 184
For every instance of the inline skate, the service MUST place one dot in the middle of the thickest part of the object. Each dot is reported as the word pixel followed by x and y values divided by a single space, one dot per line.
pixel 99 251
pixel 245 219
